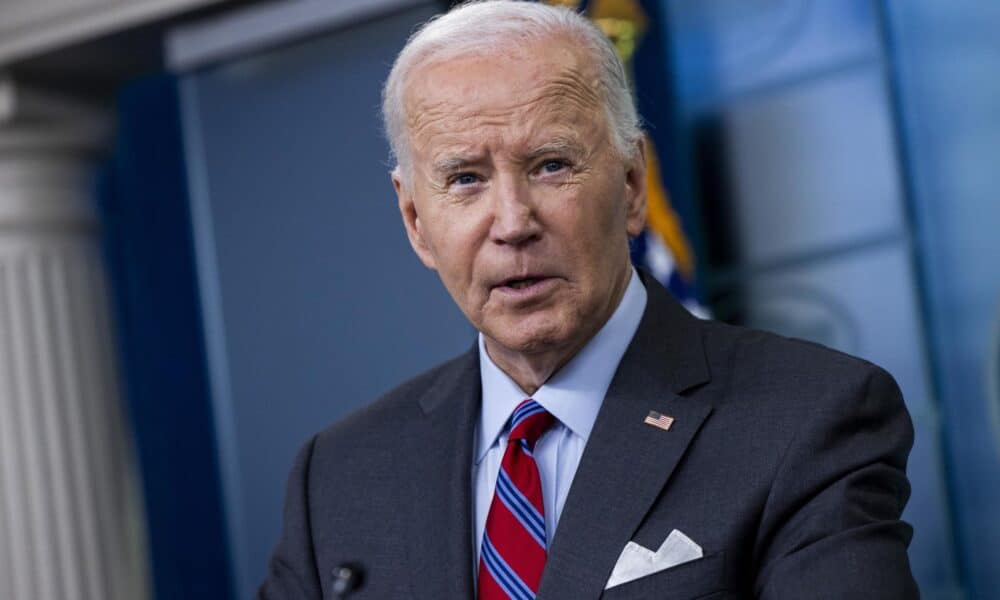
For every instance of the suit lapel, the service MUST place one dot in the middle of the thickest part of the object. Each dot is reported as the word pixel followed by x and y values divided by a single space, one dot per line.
pixel 626 462
pixel 437 510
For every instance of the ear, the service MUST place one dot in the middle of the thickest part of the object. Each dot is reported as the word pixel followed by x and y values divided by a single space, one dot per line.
pixel 411 220
pixel 635 190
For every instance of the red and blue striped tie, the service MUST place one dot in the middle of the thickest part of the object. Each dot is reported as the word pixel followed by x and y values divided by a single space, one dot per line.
pixel 513 553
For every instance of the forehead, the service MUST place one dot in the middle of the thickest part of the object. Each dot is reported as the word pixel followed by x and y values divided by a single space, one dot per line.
pixel 545 88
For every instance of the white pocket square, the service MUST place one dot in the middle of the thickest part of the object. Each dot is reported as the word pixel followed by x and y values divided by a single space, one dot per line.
pixel 636 561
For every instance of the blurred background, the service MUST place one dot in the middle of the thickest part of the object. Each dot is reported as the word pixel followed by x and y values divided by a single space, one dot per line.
pixel 201 262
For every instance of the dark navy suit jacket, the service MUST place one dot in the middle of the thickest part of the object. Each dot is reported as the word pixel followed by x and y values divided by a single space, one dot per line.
pixel 785 463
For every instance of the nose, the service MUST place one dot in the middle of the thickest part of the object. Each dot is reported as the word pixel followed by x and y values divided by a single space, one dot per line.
pixel 514 219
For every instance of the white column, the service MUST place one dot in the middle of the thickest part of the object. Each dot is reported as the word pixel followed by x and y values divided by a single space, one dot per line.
pixel 71 523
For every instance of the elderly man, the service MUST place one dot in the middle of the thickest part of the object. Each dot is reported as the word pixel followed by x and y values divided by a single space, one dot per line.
pixel 597 441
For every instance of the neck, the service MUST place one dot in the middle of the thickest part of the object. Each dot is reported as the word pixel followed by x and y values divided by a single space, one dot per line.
pixel 531 370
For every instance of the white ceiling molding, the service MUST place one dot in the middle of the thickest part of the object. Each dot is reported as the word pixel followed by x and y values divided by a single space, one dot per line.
pixel 255 28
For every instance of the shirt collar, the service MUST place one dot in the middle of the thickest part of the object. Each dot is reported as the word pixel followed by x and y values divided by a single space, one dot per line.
pixel 575 393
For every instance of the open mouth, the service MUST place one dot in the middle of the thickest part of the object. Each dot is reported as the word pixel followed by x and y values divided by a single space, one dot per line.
pixel 524 288
pixel 520 284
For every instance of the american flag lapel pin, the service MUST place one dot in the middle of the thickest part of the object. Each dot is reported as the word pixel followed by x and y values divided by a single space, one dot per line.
pixel 657 420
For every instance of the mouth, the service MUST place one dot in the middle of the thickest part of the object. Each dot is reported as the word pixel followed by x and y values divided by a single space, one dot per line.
pixel 524 287
pixel 521 283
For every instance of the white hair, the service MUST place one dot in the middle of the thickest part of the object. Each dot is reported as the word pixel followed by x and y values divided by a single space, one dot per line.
pixel 493 26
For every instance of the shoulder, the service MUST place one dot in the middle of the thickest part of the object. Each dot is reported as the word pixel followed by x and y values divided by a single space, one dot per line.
pixel 390 415
pixel 754 347
pixel 749 368
pixel 754 363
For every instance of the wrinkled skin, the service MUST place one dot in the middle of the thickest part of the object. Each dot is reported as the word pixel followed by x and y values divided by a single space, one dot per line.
pixel 514 177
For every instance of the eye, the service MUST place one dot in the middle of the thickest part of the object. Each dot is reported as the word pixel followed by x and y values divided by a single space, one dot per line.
pixel 553 166
pixel 463 179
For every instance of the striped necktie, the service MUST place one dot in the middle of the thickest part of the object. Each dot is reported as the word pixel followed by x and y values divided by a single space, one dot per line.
pixel 513 553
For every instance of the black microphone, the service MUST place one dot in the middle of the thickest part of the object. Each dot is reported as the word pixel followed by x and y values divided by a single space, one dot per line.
pixel 347 578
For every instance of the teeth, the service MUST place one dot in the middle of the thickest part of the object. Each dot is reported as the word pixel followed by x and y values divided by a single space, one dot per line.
pixel 521 283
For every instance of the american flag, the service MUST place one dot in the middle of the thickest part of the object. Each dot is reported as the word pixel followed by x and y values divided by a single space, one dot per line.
pixel 663 247
pixel 657 420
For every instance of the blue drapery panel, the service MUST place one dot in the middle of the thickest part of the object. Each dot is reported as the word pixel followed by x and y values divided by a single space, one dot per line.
pixel 143 202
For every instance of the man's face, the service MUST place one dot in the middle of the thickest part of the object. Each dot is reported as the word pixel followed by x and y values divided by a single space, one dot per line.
pixel 517 197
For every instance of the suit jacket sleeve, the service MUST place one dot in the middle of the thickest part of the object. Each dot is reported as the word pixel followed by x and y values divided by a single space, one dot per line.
pixel 831 527
pixel 291 572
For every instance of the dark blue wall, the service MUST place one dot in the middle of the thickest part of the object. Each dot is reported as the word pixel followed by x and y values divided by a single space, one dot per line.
pixel 314 302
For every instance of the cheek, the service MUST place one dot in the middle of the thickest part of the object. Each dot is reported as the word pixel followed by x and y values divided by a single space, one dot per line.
pixel 595 222
pixel 453 240
pixel 598 239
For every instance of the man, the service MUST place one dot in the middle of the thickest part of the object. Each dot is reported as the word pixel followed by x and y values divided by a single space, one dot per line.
pixel 597 441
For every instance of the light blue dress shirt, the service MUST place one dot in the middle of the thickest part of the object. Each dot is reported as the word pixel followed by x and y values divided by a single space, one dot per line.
pixel 573 396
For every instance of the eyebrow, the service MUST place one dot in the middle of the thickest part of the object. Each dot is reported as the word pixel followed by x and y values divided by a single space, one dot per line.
pixel 556 146
pixel 455 163
pixel 450 164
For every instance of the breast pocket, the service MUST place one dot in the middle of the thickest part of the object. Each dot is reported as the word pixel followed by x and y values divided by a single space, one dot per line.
pixel 695 579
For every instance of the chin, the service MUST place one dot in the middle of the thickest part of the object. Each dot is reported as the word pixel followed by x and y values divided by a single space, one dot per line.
pixel 534 340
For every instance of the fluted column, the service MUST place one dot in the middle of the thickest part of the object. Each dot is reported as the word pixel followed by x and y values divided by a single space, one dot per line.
pixel 70 518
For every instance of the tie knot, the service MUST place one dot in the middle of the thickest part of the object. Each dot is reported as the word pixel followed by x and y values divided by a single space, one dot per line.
pixel 529 421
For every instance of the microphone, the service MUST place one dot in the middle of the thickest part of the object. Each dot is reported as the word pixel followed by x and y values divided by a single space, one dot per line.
pixel 347 578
